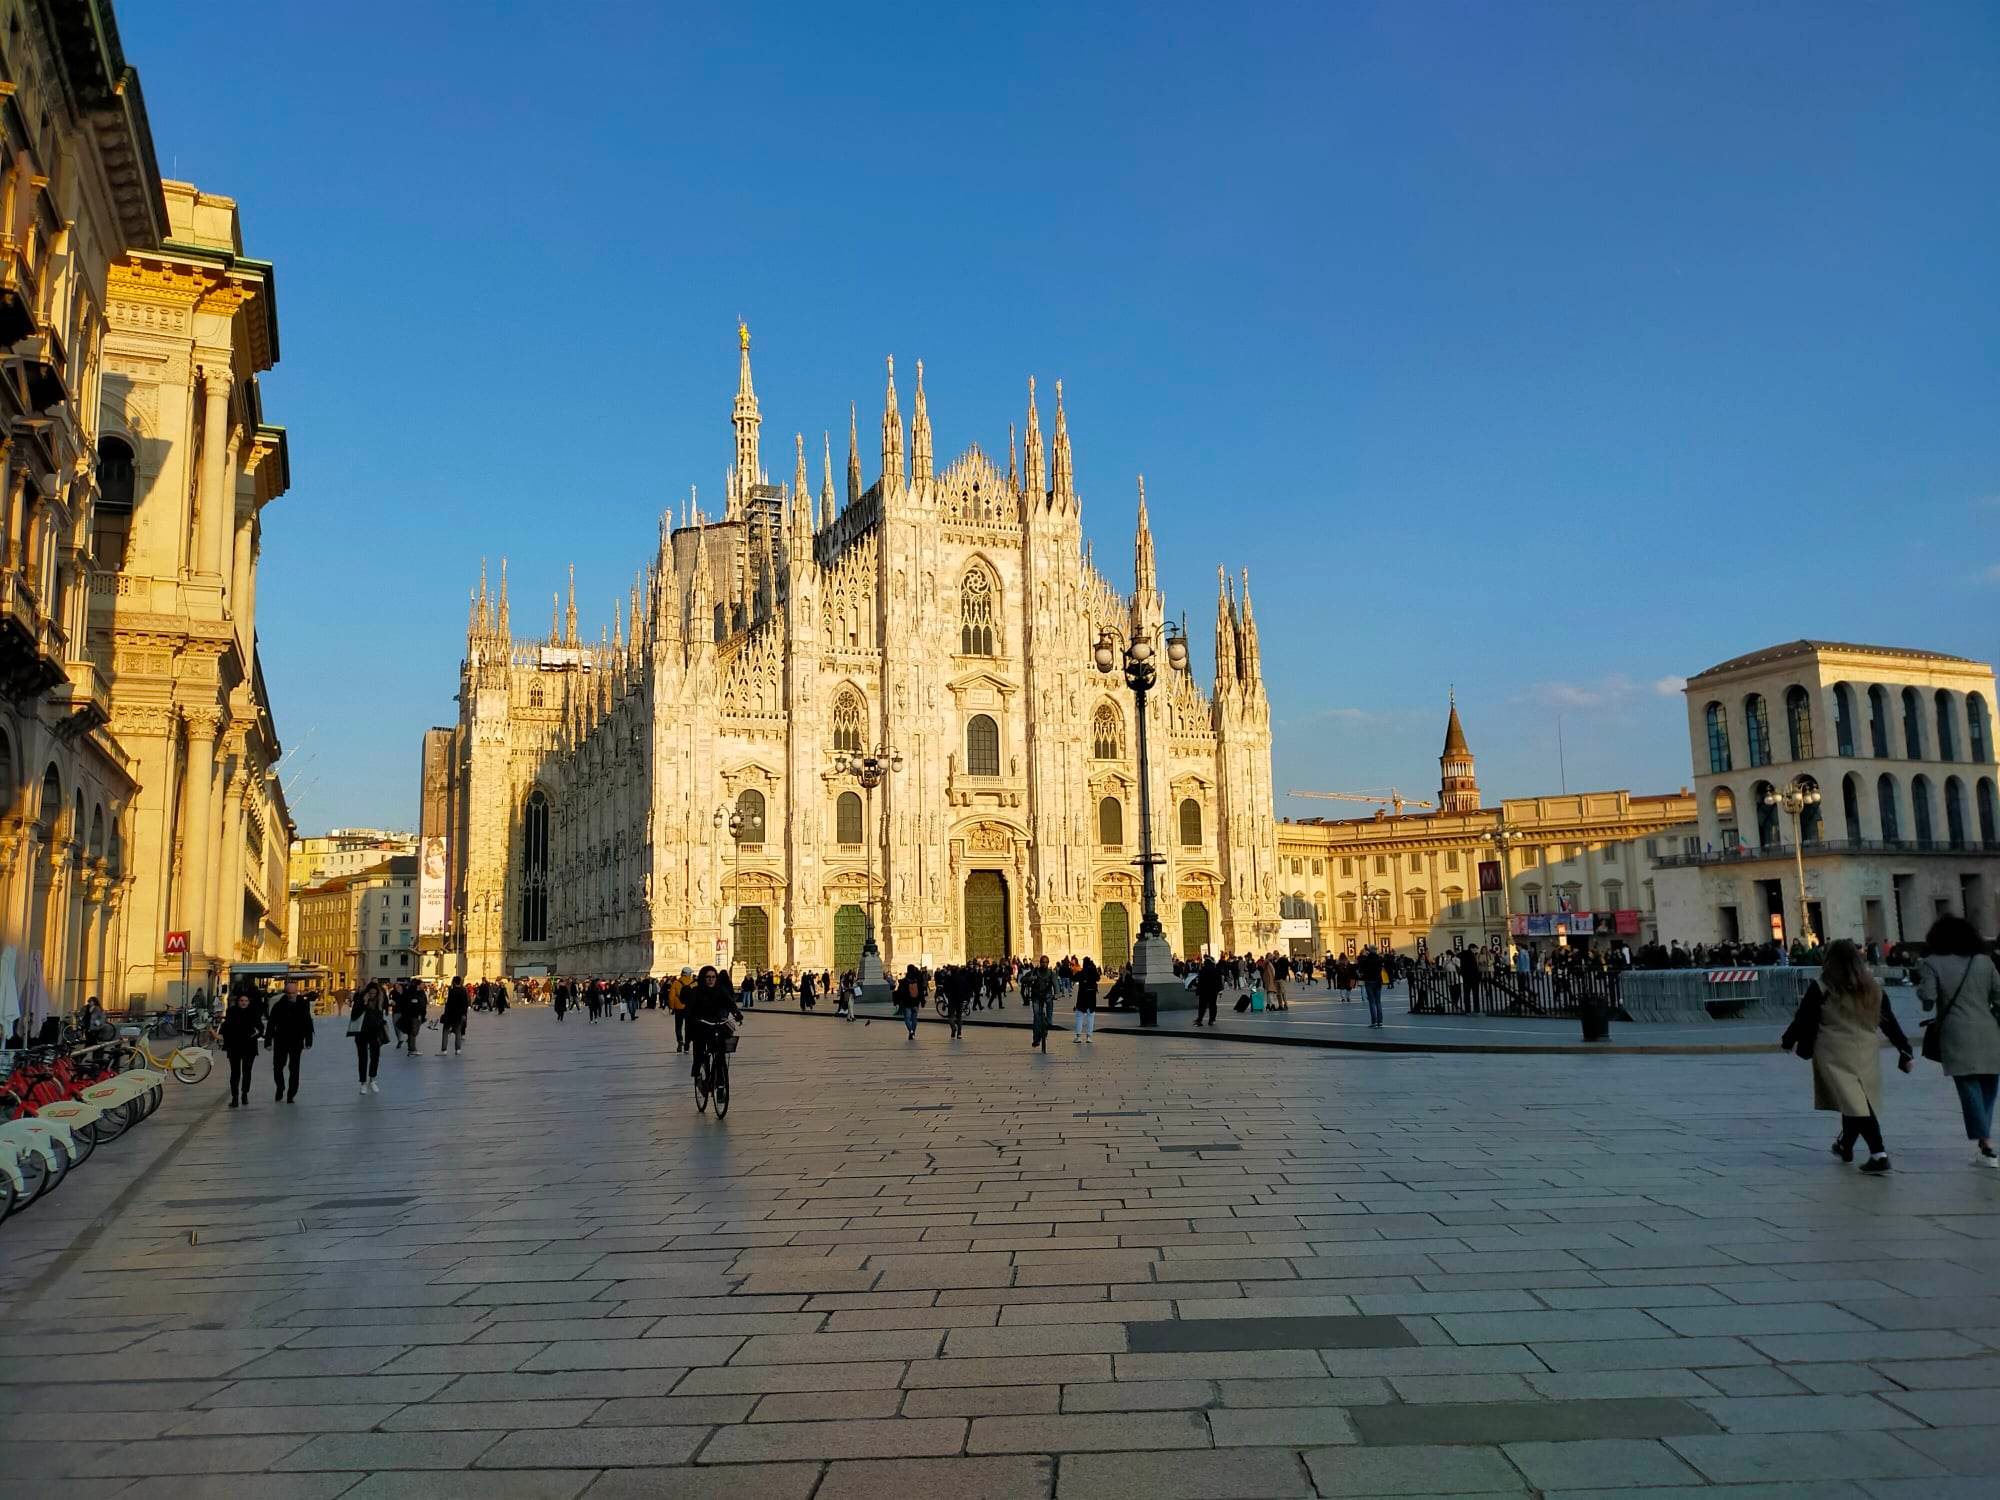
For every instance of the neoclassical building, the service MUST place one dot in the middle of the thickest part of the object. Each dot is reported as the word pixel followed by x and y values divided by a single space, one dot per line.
pixel 949 614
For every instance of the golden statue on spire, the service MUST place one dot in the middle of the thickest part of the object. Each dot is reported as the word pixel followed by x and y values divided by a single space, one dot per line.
pixel 743 335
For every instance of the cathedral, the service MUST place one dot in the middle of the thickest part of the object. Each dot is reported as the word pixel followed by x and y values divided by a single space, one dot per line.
pixel 677 790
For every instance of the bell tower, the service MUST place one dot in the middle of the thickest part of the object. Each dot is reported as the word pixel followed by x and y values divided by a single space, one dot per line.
pixel 1458 791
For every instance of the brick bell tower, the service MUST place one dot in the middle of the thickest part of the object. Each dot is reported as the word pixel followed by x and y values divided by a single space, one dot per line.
pixel 1458 790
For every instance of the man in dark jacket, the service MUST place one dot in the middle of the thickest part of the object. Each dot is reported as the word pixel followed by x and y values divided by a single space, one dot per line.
pixel 289 1031
pixel 457 1004
pixel 1207 990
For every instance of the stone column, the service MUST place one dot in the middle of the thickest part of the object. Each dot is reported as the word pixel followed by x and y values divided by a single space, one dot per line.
pixel 54 881
pixel 240 547
pixel 97 940
pixel 21 899
pixel 16 480
pixel 216 509
pixel 197 825
pixel 228 923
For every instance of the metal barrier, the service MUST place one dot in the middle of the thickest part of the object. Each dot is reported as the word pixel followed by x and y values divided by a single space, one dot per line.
pixel 1724 993
pixel 1443 991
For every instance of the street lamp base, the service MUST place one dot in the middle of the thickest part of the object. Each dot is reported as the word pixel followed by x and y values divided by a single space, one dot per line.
pixel 868 975
pixel 1153 970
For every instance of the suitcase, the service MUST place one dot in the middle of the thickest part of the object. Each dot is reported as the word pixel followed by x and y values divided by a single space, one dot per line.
pixel 1242 1004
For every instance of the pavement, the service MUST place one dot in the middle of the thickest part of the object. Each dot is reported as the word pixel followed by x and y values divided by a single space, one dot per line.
pixel 1143 1267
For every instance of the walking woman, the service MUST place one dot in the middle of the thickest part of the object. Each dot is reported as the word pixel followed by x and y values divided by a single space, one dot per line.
pixel 241 1032
pixel 370 1029
pixel 910 998
pixel 1086 1003
pixel 1957 979
pixel 1851 1015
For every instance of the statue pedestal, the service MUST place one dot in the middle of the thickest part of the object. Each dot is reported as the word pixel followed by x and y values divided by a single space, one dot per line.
pixel 1153 968
pixel 868 975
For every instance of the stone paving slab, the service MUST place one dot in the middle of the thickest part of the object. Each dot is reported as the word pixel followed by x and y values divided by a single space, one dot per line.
pixel 1361 1275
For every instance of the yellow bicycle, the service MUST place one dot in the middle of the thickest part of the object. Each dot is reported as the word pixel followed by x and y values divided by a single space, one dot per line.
pixel 188 1064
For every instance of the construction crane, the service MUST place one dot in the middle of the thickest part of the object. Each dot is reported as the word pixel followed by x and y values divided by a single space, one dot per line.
pixel 1387 797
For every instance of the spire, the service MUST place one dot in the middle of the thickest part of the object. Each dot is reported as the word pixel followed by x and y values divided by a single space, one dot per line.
pixel 1458 785
pixel 853 458
pixel 1063 476
pixel 1144 574
pixel 802 495
pixel 1454 732
pixel 892 437
pixel 746 421
pixel 569 615
pixel 1252 659
pixel 701 601
pixel 921 464
pixel 1013 472
pixel 634 631
pixel 1225 634
pixel 617 628
pixel 485 610
pixel 826 489
pixel 504 629
pixel 1031 478
pixel 471 614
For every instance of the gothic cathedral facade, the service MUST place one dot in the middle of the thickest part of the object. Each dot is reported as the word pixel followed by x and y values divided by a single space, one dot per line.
pixel 677 789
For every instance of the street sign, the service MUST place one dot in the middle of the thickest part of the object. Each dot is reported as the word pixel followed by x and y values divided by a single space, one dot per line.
pixel 177 942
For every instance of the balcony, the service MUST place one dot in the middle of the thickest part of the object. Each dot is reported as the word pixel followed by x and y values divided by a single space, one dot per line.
pixel 1744 854
pixel 30 654
pixel 84 699
pixel 45 365
pixel 17 291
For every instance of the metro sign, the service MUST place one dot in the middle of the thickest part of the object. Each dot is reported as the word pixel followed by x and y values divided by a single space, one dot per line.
pixel 177 942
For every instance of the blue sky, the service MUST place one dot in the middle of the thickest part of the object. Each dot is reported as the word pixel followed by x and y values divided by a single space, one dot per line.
pixel 1552 351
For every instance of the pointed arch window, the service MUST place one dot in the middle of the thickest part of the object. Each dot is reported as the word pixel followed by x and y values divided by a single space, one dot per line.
pixel 976 614
pixel 847 715
pixel 1191 825
pixel 982 746
pixel 535 696
pixel 1107 734
pixel 535 868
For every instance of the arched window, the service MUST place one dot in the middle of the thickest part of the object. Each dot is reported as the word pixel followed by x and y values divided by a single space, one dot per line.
pixel 1107 733
pixel 847 724
pixel 1843 719
pixel 1725 818
pixel 1954 812
pixel 114 474
pixel 1850 804
pixel 1920 810
pixel 1989 815
pixel 1757 724
pixel 1913 724
pixel 1768 833
pixel 535 868
pixel 1947 726
pixel 982 746
pixel 1111 823
pixel 1878 722
pixel 535 696
pixel 1886 808
pixel 847 818
pixel 976 614
pixel 1798 721
pixel 1976 737
pixel 1191 824
pixel 750 810
pixel 1718 738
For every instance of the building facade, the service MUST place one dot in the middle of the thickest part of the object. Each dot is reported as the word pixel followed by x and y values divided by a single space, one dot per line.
pixel 316 859
pixel 1554 867
pixel 948 614
pixel 1897 745
pixel 361 925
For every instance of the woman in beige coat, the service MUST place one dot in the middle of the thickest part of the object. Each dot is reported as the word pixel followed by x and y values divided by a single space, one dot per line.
pixel 1958 981
pixel 1852 1017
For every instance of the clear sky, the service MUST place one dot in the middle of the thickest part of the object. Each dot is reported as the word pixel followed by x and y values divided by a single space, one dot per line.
pixel 1555 351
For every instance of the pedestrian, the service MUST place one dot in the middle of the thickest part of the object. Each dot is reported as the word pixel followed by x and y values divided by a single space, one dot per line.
pixel 1086 1003
pixel 289 1031
pixel 806 998
pixel 677 988
pixel 370 1029
pixel 241 1032
pixel 1371 984
pixel 1837 1023
pixel 451 1025
pixel 1207 990
pixel 1038 993
pixel 1957 979
pixel 910 998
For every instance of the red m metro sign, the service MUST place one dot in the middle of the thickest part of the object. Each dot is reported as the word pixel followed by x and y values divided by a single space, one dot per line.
pixel 177 942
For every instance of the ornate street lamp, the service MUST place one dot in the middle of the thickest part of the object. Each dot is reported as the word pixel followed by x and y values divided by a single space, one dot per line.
pixel 728 817
pixel 870 770
pixel 1795 796
pixel 1152 959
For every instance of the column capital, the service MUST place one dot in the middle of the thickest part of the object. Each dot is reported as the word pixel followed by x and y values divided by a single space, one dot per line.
pixel 202 722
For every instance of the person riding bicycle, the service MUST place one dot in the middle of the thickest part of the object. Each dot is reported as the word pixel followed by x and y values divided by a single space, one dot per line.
pixel 1038 989
pixel 709 1004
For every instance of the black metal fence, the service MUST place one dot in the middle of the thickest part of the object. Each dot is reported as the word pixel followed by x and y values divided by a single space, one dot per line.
pixel 1444 991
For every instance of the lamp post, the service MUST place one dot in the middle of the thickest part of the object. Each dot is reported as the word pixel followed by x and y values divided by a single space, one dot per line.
pixel 728 817
pixel 870 770
pixel 1502 837
pixel 1152 959
pixel 1795 796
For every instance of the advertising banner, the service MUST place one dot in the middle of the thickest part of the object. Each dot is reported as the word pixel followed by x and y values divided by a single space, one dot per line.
pixel 1541 924
pixel 431 886
pixel 1628 923
pixel 1295 927
pixel 1518 925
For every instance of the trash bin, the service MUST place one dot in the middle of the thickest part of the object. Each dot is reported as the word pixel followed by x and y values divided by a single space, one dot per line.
pixel 1149 1008
pixel 1596 1016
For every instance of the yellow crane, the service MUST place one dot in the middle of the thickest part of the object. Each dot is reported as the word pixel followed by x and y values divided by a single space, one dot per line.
pixel 1387 797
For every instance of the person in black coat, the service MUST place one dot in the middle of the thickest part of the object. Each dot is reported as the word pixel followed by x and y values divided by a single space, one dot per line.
pixel 240 1035
pixel 1086 1003
pixel 1207 990
pixel 457 1006
pixel 289 1031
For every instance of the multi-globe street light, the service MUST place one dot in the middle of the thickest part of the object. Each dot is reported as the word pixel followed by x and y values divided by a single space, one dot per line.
pixel 728 817
pixel 1152 959
pixel 870 769
pixel 1795 796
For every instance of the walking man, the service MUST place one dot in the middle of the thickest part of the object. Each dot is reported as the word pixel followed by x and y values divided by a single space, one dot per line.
pixel 1207 990
pixel 289 1031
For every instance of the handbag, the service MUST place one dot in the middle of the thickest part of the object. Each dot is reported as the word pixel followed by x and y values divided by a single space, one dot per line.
pixel 355 1022
pixel 1932 1045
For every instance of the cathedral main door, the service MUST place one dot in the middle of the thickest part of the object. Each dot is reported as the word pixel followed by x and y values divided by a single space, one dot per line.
pixel 985 915
pixel 849 926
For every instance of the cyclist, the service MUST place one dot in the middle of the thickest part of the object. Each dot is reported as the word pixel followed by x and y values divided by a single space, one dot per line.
pixel 1038 989
pixel 709 1004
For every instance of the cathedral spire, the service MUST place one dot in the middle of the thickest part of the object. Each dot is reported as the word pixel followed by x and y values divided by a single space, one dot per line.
pixel 922 465
pixel 802 495
pixel 617 629
pixel 1253 665
pixel 555 617
pixel 1031 478
pixel 1013 472
pixel 826 489
pixel 504 629
pixel 853 457
pixel 1225 635
pixel 892 437
pixel 1145 576
pixel 746 421
pixel 485 611
pixel 569 615
pixel 1063 474
pixel 701 602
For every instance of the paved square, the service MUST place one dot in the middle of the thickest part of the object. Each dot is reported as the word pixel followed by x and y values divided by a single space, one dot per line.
pixel 1148 1267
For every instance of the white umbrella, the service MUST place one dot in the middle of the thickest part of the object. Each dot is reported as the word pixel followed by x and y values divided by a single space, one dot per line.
pixel 10 991
pixel 35 999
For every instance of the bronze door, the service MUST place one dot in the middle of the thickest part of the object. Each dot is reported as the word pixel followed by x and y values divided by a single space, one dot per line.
pixel 985 915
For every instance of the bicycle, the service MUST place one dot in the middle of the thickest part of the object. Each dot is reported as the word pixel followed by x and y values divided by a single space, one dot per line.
pixel 711 1067
pixel 189 1064
pixel 1044 1019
